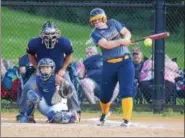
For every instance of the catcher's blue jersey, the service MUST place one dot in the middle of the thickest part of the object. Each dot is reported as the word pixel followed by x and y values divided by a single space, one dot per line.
pixel 110 33
pixel 37 47
pixel 46 88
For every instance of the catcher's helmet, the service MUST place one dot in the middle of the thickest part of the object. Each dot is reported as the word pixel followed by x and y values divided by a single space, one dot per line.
pixel 49 34
pixel 97 13
pixel 46 62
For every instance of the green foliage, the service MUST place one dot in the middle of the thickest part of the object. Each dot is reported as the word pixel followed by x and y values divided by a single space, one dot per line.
pixel 18 27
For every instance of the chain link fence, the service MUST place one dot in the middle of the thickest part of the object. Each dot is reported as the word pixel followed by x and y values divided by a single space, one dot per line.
pixel 22 21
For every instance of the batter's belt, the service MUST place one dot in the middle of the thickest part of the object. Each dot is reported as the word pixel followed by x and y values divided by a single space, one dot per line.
pixel 116 60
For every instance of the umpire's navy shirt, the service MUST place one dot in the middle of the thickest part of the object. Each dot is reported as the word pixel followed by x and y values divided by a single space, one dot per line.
pixel 36 47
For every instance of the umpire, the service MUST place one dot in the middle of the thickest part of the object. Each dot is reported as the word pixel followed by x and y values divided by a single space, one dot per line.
pixel 113 38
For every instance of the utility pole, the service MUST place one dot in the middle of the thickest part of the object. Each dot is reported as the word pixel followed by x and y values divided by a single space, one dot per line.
pixel 159 57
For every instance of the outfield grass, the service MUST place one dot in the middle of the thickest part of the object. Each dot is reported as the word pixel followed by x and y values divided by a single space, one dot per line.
pixel 18 27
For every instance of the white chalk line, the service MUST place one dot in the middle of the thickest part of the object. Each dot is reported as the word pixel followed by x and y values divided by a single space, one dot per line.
pixel 94 121
pixel 109 123
pixel 131 125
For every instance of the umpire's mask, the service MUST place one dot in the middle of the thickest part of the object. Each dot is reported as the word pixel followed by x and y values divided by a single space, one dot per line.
pixel 49 34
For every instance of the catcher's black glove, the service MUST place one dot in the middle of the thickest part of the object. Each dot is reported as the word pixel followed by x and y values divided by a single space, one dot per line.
pixel 65 89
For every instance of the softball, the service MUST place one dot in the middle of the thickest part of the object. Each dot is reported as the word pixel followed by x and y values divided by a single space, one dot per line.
pixel 148 42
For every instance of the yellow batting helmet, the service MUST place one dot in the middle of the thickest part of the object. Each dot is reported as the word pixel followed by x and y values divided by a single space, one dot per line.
pixel 97 13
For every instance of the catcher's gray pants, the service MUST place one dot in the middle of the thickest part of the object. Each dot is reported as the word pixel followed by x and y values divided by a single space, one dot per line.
pixel 73 102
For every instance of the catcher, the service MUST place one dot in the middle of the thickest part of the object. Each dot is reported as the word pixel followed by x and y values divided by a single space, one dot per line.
pixel 50 94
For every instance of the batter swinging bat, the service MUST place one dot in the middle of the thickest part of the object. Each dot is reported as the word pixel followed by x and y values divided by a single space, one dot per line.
pixel 153 37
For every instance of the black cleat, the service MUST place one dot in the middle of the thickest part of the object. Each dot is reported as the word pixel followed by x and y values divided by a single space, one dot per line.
pixel 125 123
pixel 103 118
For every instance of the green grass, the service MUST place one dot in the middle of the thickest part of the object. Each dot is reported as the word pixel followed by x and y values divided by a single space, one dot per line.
pixel 18 27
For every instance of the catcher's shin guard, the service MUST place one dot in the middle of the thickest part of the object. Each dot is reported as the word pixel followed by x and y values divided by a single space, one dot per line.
pixel 29 106
pixel 25 119
pixel 63 117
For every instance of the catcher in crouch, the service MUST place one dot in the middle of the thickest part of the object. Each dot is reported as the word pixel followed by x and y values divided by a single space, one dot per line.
pixel 50 96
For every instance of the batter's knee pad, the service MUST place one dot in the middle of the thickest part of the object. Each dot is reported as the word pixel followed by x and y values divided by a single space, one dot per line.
pixel 62 117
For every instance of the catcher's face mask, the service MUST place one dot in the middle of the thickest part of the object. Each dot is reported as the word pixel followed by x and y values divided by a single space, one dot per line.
pixel 46 72
pixel 46 68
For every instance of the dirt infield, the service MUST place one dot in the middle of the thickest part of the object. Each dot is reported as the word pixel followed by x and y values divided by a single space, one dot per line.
pixel 140 127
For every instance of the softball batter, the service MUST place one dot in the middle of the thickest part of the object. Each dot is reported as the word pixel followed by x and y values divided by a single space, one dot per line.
pixel 113 38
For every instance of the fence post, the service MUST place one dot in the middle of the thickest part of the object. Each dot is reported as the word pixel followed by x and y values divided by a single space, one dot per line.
pixel 159 54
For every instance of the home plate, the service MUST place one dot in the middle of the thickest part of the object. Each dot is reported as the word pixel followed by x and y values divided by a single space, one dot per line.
pixel 113 123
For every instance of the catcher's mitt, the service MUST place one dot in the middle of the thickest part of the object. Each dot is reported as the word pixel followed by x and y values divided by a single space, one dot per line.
pixel 65 89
